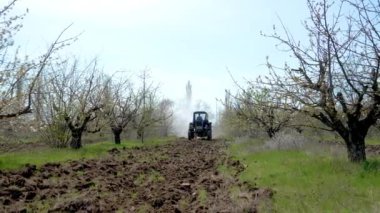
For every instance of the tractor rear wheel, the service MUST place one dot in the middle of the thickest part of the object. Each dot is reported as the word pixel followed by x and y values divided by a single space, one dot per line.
pixel 190 135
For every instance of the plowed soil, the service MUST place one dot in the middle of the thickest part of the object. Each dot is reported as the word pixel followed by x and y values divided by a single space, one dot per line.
pixel 178 177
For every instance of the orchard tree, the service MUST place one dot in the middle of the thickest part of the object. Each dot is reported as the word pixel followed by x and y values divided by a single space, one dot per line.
pixel 335 79
pixel 76 96
pixel 121 107
pixel 19 76
pixel 230 123
pixel 148 115
pixel 164 114
pixel 257 108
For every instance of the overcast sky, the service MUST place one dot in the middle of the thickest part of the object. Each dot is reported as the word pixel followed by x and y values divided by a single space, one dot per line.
pixel 177 40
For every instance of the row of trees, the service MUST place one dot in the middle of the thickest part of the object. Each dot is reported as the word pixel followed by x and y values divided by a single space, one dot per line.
pixel 65 98
pixel 332 77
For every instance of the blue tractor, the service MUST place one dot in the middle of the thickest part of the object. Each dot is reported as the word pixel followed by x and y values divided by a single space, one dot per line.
pixel 200 127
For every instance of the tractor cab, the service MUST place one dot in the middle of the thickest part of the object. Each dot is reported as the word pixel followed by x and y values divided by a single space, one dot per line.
pixel 200 127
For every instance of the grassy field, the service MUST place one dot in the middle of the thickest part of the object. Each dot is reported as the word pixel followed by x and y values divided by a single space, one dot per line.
pixel 372 141
pixel 38 157
pixel 311 180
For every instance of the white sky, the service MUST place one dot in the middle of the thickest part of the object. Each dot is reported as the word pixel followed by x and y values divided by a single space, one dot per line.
pixel 178 40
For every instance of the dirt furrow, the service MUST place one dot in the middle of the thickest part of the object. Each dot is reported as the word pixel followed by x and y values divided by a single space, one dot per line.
pixel 177 177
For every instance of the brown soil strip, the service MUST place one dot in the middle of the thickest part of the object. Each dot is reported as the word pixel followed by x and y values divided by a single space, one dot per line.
pixel 177 177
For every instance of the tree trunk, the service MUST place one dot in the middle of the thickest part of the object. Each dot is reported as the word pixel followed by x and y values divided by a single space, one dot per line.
pixel 271 133
pixel 76 138
pixel 116 132
pixel 165 131
pixel 355 143
pixel 140 134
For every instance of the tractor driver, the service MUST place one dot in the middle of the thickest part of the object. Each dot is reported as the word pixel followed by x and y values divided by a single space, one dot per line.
pixel 199 120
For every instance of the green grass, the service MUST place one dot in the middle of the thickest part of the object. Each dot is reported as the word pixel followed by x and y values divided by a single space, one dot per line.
pixel 151 176
pixel 307 182
pixel 38 157
pixel 372 141
pixel 202 196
